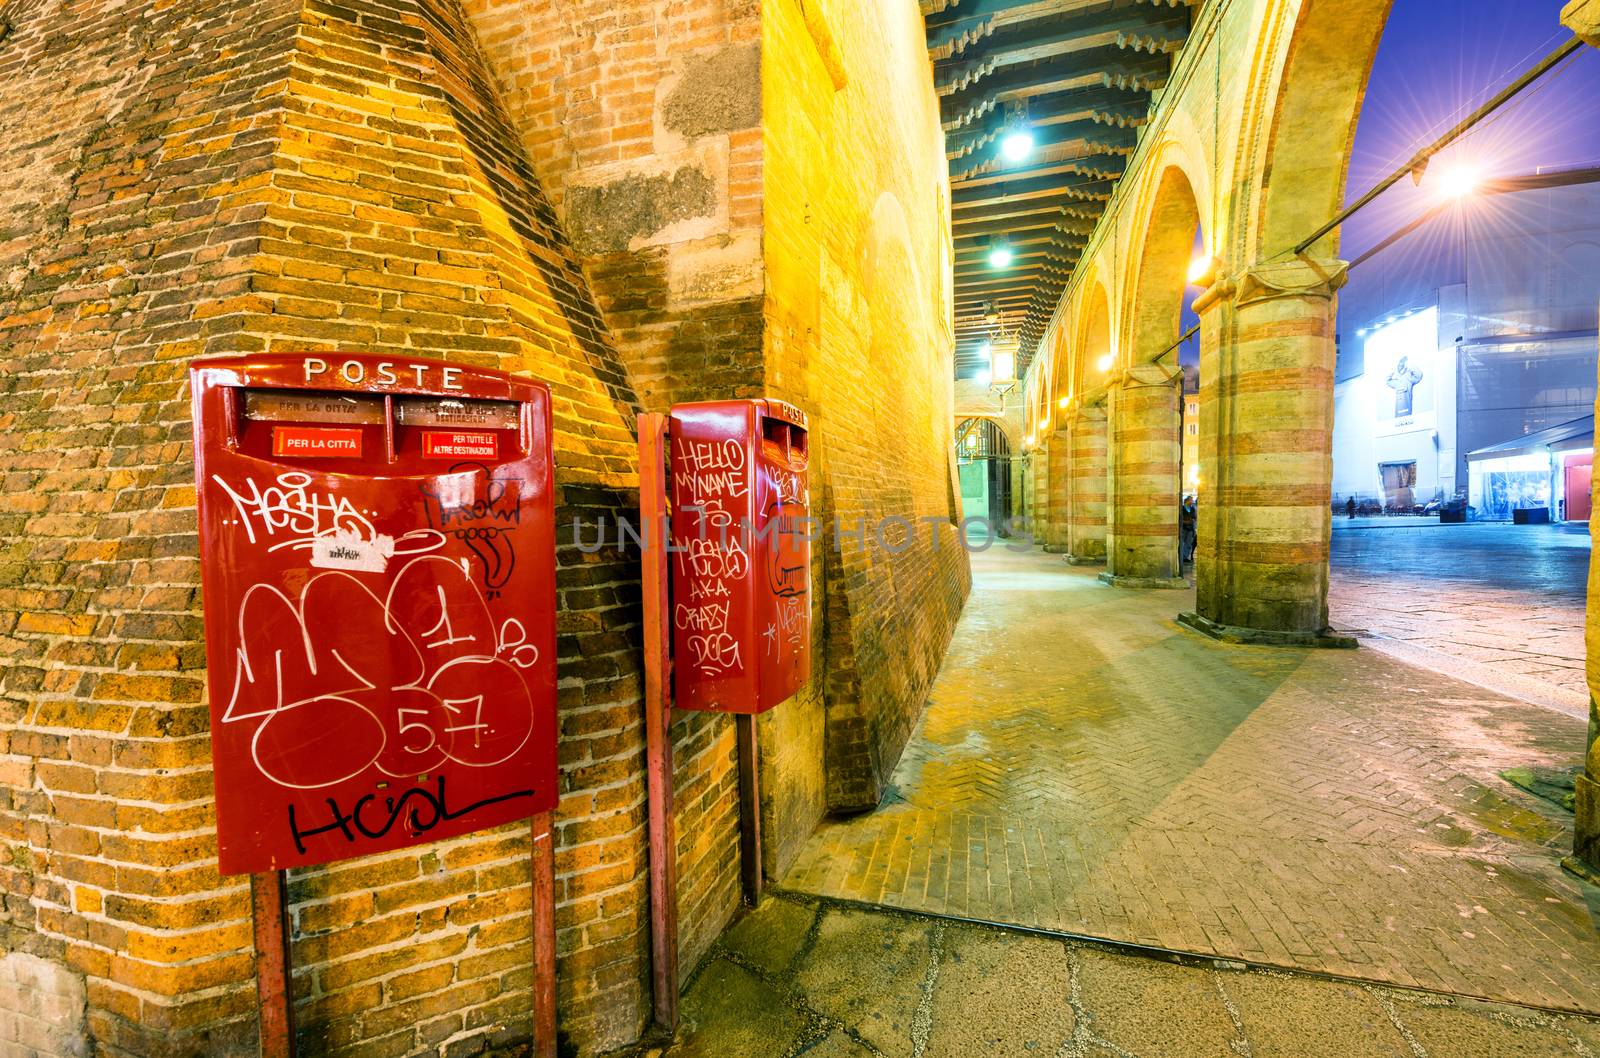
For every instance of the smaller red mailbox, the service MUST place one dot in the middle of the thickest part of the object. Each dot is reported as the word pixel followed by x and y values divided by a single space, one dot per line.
pixel 377 542
pixel 741 562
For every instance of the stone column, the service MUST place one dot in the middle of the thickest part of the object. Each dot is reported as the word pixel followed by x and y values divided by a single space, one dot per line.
pixel 1086 487
pixel 1583 18
pixel 1039 505
pixel 1266 454
pixel 1145 410
pixel 1056 513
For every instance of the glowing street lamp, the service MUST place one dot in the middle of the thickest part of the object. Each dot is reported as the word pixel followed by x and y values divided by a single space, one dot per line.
pixel 1017 145
pixel 1458 181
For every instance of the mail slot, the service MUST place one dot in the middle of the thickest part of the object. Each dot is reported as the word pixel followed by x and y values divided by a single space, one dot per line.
pixel 377 542
pixel 741 561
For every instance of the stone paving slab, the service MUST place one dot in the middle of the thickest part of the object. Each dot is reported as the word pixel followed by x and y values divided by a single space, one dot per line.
pixel 1085 765
pixel 863 983
pixel 1500 606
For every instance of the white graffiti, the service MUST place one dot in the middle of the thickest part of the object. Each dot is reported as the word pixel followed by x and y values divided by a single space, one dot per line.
pixel 294 516
pixel 715 652
pixel 289 506
pixel 787 489
pixel 712 617
pixel 713 560
pixel 717 471
pixel 338 680
pixel 791 615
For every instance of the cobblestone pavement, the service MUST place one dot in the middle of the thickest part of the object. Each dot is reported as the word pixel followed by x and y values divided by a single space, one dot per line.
pixel 795 978
pixel 1499 605
pixel 1085 765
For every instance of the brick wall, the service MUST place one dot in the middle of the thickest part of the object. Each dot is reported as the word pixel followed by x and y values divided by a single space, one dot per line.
pixel 223 176
pixel 680 110
pixel 868 347
pixel 137 140
pixel 642 122
pixel 407 217
pixel 236 177
pixel 41 1008
pixel 642 119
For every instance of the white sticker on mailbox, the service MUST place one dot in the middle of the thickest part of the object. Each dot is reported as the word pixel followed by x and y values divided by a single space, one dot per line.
pixel 353 552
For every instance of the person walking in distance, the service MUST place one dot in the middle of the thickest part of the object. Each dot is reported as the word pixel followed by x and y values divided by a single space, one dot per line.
pixel 1188 536
pixel 1350 506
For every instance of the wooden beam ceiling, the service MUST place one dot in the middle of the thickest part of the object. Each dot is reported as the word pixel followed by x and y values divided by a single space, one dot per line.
pixel 1078 74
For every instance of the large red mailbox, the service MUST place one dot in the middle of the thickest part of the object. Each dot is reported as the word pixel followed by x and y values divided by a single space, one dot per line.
pixel 378 560
pixel 741 561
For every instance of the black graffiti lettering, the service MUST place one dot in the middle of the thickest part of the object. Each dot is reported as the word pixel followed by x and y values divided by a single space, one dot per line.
pixel 422 808
pixel 474 521
pixel 501 500
pixel 341 823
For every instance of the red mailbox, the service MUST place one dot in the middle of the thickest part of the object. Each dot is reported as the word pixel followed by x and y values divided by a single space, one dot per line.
pixel 377 539
pixel 741 562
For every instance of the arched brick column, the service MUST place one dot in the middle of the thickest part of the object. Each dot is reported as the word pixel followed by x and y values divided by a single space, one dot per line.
pixel 1144 409
pixel 1266 412
pixel 1146 400
pixel 1086 487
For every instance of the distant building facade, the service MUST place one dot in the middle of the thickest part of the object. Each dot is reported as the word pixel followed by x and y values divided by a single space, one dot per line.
pixel 1482 335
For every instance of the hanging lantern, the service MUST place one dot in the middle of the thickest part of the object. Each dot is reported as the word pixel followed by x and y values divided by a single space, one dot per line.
pixel 1003 361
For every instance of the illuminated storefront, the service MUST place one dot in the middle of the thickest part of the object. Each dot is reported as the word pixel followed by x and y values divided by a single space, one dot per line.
pixel 1548 471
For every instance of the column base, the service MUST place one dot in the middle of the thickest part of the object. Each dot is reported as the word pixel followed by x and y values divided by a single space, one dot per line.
pixel 1142 582
pixel 1578 869
pixel 1326 638
pixel 1056 549
pixel 1085 560
pixel 1585 859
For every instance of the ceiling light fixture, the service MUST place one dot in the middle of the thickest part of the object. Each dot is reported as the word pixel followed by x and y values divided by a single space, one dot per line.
pixel 1017 145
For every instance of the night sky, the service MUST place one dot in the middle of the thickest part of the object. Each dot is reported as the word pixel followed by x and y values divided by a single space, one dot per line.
pixel 1438 60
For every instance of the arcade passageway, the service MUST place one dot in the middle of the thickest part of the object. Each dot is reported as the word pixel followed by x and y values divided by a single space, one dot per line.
pixel 1086 765
pixel 393 300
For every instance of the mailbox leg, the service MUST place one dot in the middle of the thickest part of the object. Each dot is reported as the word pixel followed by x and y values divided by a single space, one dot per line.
pixel 270 910
pixel 663 871
pixel 657 714
pixel 544 936
pixel 749 809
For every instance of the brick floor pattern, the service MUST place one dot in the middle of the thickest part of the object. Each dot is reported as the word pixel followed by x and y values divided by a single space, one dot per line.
pixel 1085 765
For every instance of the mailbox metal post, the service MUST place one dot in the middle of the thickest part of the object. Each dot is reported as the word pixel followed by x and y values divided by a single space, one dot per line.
pixel 657 718
pixel 750 808
pixel 274 985
pixel 544 935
